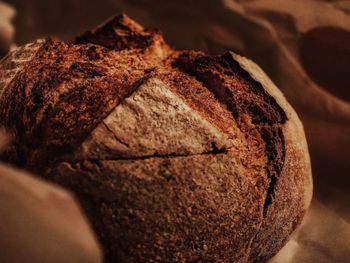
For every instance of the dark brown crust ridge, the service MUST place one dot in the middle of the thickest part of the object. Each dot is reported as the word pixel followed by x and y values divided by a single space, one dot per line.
pixel 119 33
pixel 123 33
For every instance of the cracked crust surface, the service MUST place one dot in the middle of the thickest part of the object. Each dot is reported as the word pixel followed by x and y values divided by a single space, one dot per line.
pixel 175 156
pixel 152 121
pixel 293 190
pixel 62 94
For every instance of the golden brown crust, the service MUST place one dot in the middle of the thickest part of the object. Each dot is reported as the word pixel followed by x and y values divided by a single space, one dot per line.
pixel 210 195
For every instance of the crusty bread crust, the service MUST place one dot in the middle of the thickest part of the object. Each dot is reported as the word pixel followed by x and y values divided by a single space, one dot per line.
pixel 123 33
pixel 153 120
pixel 293 190
pixel 58 84
pixel 293 130
pixel 175 156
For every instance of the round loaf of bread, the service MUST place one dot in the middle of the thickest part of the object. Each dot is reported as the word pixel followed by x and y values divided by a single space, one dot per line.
pixel 175 156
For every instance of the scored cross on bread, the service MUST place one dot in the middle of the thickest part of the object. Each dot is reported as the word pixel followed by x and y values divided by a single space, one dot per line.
pixel 176 156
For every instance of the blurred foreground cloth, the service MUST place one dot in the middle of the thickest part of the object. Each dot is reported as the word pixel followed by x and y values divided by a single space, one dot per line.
pixel 6 28
pixel 303 45
pixel 41 222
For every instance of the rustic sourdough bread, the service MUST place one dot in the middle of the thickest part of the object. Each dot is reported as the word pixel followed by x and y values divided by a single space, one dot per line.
pixel 176 156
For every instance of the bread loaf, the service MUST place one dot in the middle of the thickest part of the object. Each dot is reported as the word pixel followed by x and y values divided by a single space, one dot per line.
pixel 176 156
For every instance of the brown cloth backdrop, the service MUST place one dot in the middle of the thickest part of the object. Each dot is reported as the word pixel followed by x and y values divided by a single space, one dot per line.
pixel 303 45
